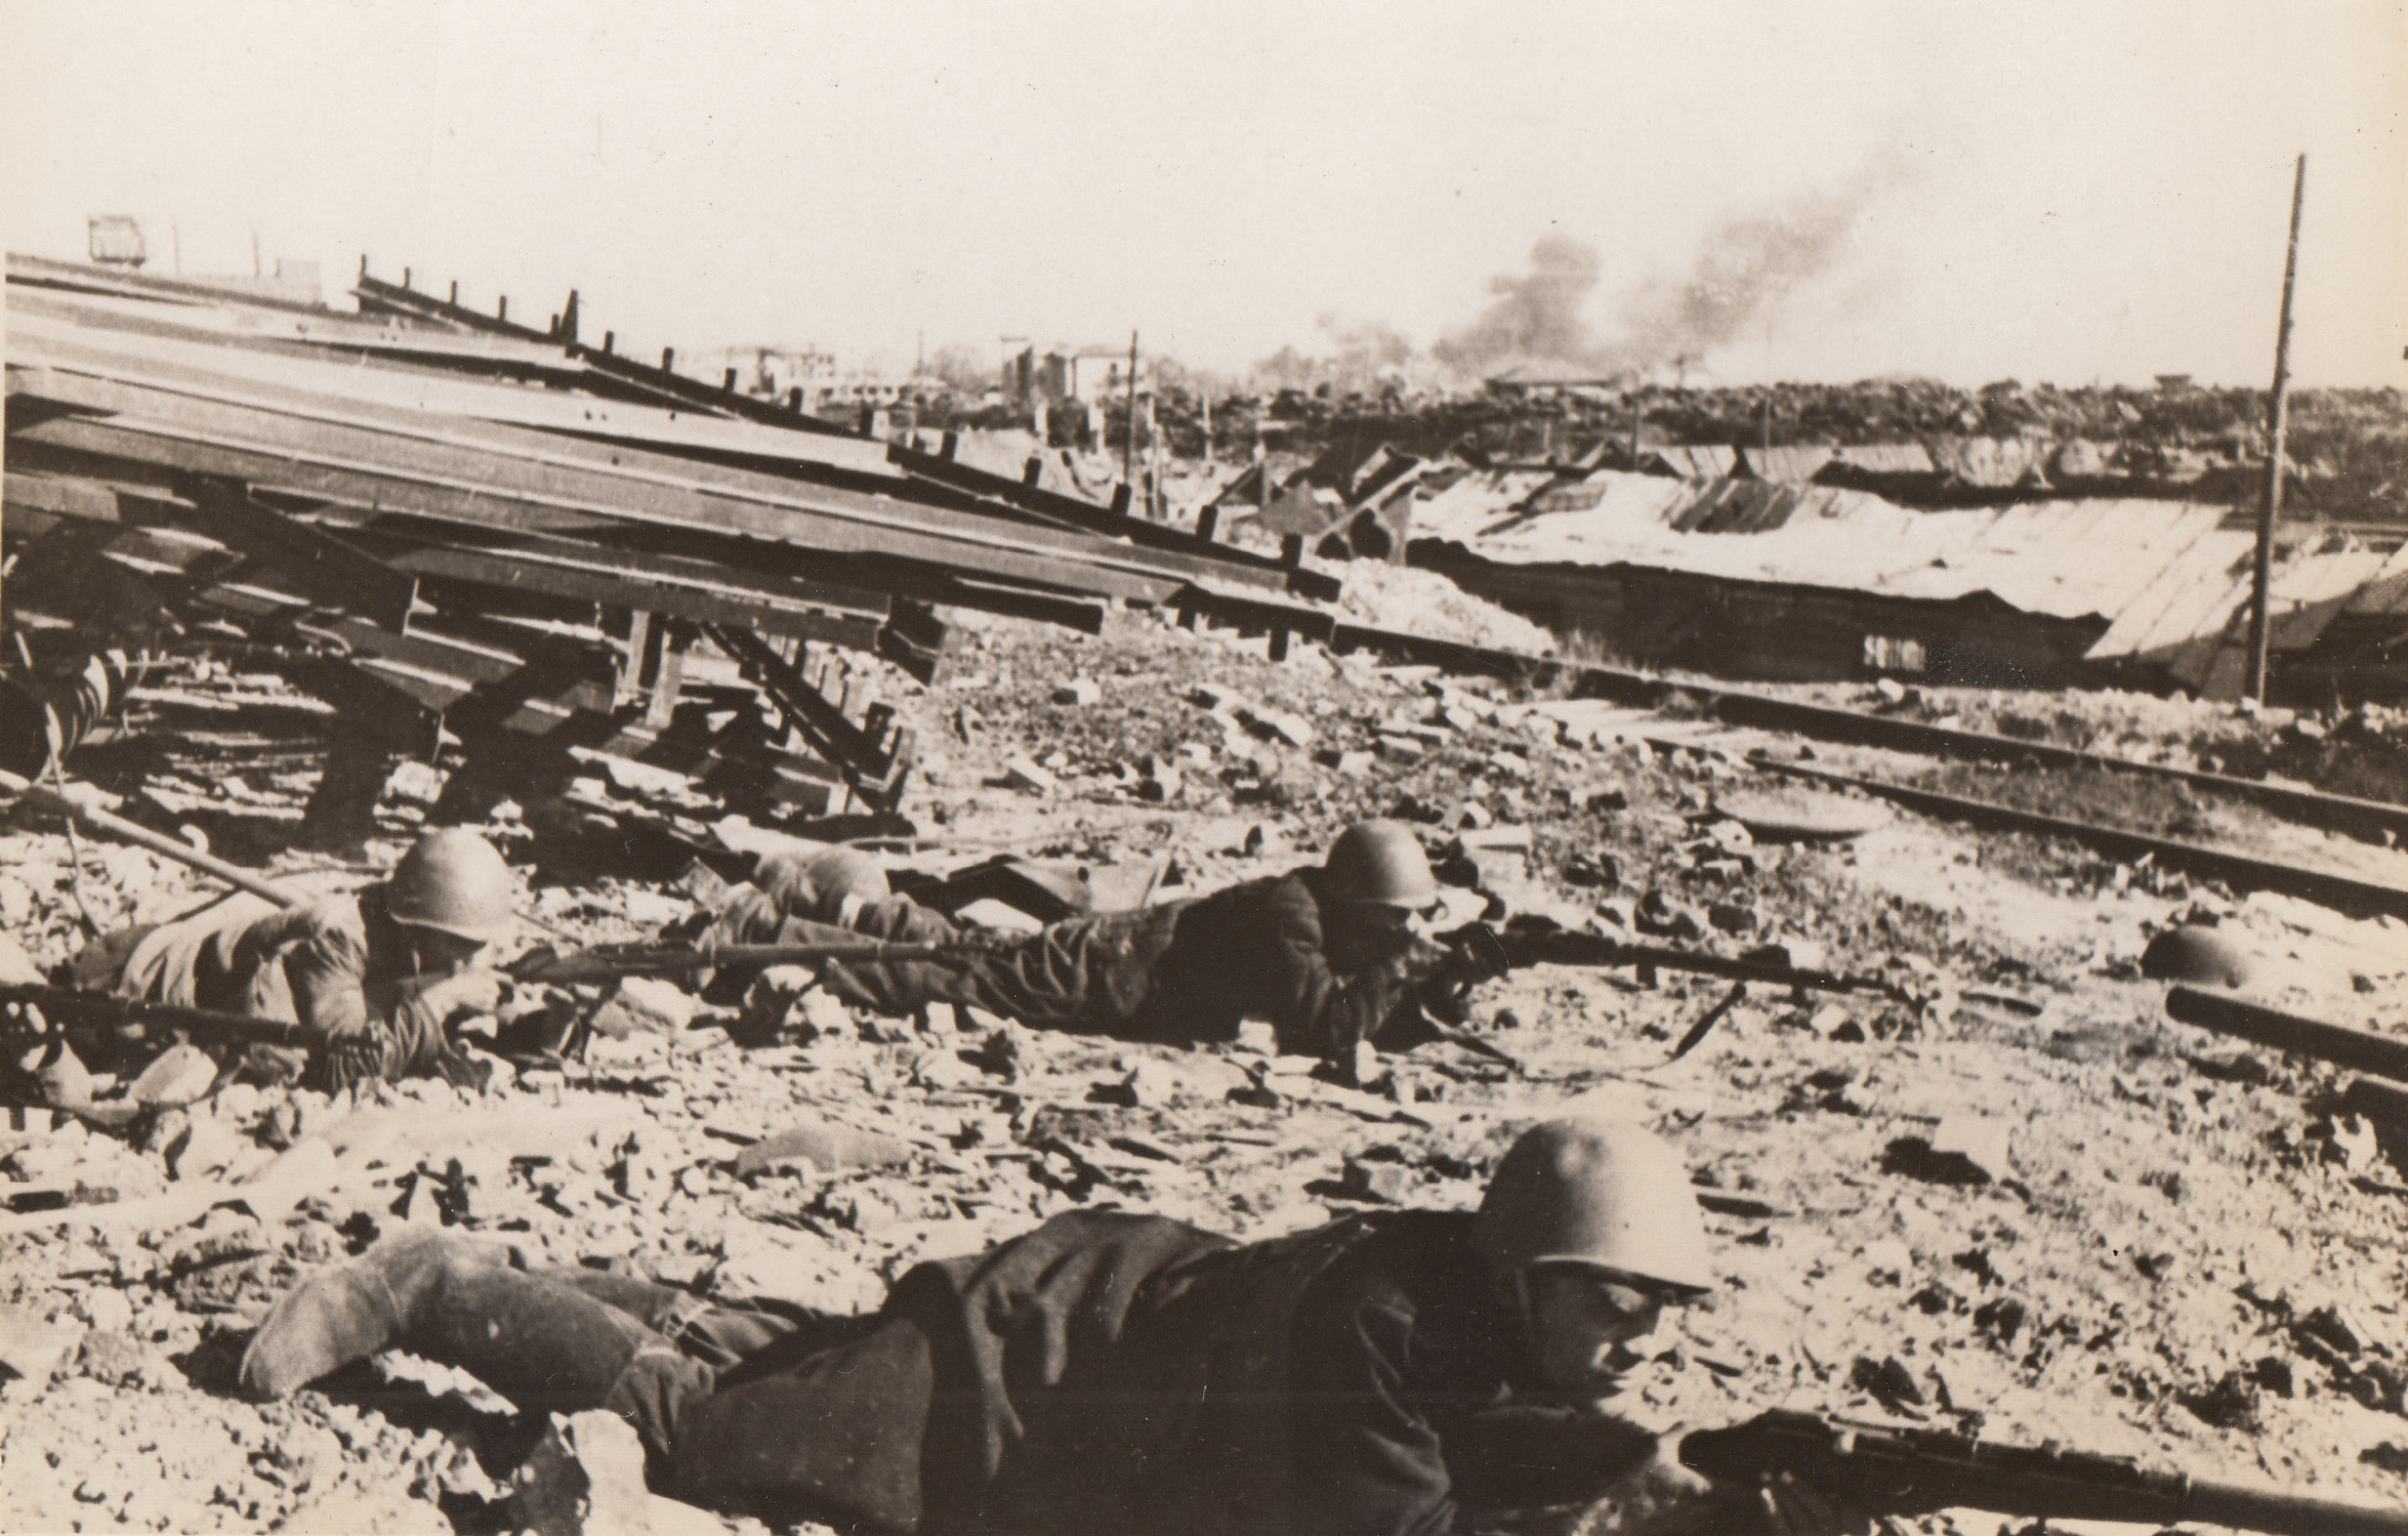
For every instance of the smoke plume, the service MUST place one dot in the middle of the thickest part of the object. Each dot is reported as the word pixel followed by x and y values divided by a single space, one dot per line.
pixel 1536 315
pixel 1355 357
pixel 1747 266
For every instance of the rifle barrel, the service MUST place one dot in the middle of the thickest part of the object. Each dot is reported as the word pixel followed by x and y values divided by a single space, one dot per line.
pixel 611 961
pixel 1590 949
pixel 112 825
pixel 1918 1472
pixel 2363 1049
pixel 2288 1514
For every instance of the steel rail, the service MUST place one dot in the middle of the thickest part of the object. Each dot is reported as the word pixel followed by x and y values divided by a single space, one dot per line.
pixel 2342 892
pixel 1831 722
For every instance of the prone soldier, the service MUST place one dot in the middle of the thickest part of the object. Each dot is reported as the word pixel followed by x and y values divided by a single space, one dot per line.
pixel 1327 953
pixel 370 978
pixel 1385 1373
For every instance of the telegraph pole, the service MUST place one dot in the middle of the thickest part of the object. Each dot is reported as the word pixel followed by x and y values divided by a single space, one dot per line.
pixel 2261 570
pixel 1128 443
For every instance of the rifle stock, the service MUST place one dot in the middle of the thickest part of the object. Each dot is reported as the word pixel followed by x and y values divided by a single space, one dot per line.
pixel 130 1021
pixel 1913 1472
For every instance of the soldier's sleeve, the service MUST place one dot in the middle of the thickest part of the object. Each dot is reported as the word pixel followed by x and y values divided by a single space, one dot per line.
pixel 1364 1460
pixel 326 962
pixel 1318 1011
pixel 408 1035
pixel 1524 1457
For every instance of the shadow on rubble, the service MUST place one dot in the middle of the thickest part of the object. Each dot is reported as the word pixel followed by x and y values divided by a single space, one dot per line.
pixel 499 1441
pixel 214 1364
pixel 1912 1157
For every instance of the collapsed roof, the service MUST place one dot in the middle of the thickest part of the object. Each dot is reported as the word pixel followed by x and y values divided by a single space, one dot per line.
pixel 480 527
pixel 2161 585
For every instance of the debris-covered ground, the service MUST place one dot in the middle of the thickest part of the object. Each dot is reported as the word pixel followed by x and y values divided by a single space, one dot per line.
pixel 2032 1206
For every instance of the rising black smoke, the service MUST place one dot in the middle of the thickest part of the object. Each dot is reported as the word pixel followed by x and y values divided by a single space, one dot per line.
pixel 1537 315
pixel 1745 268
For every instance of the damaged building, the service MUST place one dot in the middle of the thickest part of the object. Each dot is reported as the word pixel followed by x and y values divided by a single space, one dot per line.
pixel 471 534
pixel 1778 579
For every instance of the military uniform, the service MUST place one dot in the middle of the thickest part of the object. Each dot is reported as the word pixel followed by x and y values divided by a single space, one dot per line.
pixel 1181 972
pixel 1106 1372
pixel 334 964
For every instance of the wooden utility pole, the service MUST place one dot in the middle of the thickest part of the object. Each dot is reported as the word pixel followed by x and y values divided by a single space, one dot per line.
pixel 2278 421
pixel 1128 445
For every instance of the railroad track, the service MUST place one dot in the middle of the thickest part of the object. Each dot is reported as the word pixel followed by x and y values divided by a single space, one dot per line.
pixel 1609 706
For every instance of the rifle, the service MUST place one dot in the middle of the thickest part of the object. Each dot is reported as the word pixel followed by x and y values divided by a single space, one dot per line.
pixel 125 1020
pixel 610 962
pixel 1915 1472
pixel 1489 952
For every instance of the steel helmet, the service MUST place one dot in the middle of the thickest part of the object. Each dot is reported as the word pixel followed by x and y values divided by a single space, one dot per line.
pixel 1382 863
pixel 1602 1193
pixel 813 882
pixel 452 881
pixel 2193 953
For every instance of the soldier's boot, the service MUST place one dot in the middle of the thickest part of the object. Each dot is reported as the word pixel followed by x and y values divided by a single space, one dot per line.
pixel 542 1344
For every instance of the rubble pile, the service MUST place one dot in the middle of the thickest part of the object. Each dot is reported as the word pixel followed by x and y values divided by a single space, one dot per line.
pixel 2021 1203
pixel 1425 602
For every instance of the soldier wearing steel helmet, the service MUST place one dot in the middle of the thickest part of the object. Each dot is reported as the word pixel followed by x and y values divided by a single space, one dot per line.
pixel 372 976
pixel 1325 953
pixel 1406 1372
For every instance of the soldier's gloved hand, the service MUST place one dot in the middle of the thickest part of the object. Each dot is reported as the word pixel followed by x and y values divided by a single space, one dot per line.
pixel 1476 954
pixel 1448 1002
pixel 30 1041
pixel 1792 1506
pixel 466 991
pixel 44 1053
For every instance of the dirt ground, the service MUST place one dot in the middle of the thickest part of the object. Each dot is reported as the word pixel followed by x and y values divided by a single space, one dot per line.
pixel 2031 1206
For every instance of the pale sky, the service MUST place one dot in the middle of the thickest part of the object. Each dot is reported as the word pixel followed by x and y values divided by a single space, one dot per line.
pixel 2048 191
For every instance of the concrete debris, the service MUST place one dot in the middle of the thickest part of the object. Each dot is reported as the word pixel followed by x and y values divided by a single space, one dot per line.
pixel 179 1075
pixel 1027 777
pixel 585 1479
pixel 1979 1141
pixel 2076 1279
pixel 648 1003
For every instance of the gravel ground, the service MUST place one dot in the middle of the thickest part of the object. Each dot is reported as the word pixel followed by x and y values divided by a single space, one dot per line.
pixel 2159 1243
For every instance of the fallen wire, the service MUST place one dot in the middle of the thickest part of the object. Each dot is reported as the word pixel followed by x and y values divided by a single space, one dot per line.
pixel 75 856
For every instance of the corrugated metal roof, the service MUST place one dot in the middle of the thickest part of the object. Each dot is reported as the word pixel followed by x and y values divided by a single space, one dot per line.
pixel 2388 591
pixel 1791 461
pixel 1465 509
pixel 1990 461
pixel 2167 576
pixel 1694 461
pixel 1884 458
